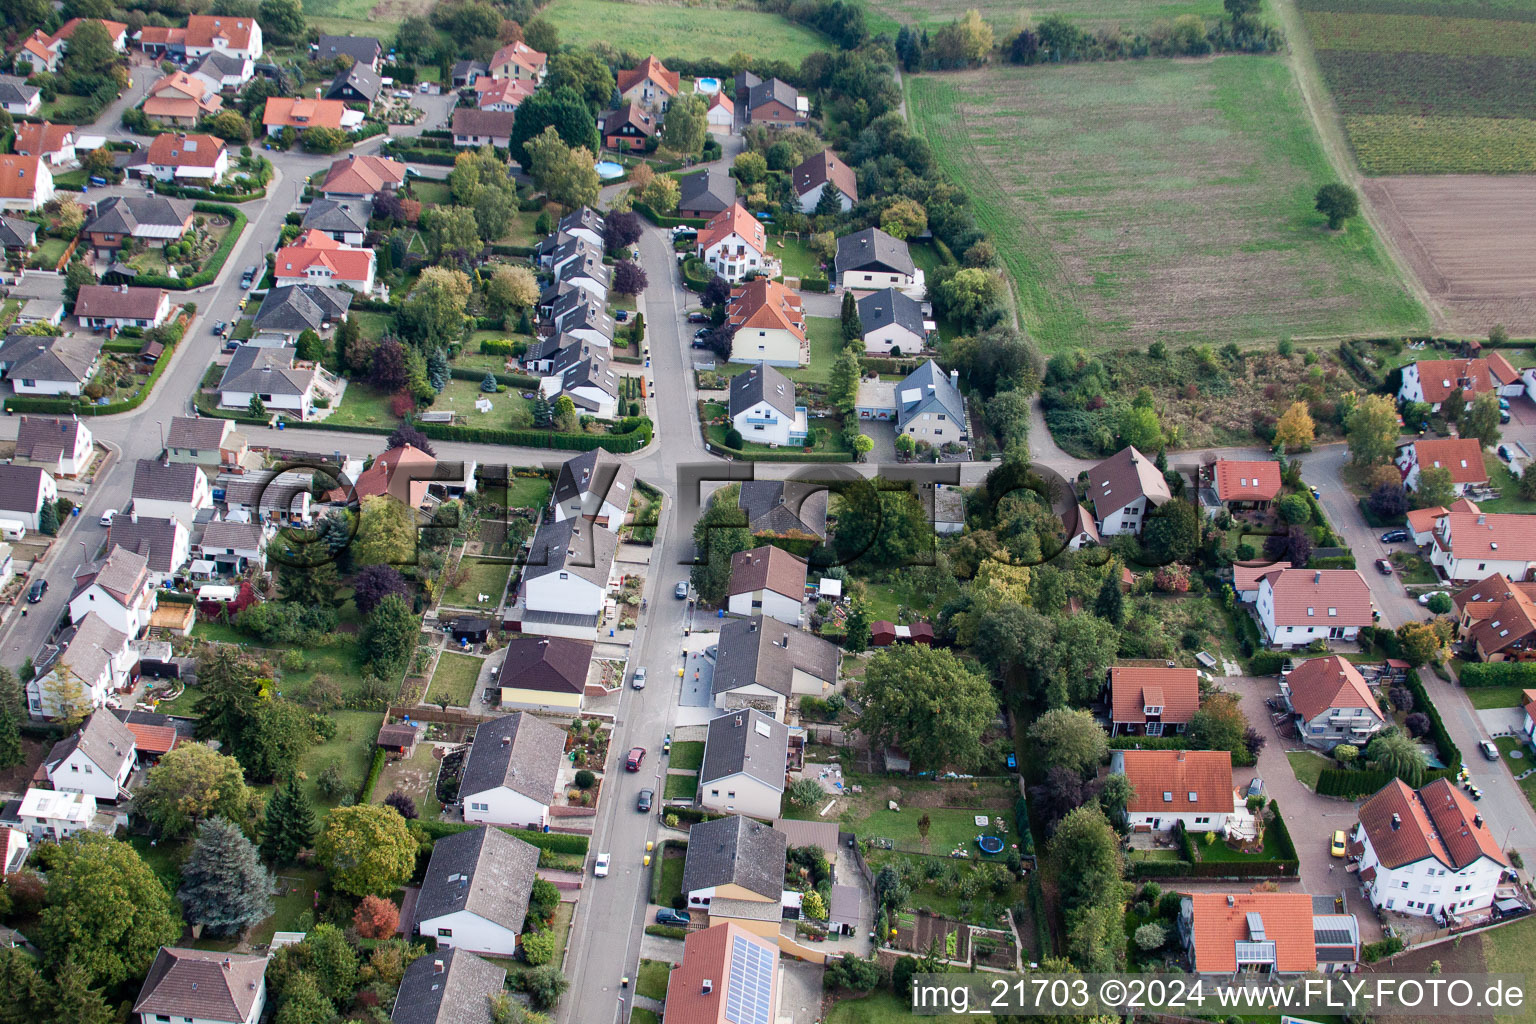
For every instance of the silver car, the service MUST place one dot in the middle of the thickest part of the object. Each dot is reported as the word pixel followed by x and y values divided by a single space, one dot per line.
pixel 638 682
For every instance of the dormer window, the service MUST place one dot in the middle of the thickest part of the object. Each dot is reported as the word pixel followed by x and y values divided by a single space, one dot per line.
pixel 1167 797
pixel 1194 797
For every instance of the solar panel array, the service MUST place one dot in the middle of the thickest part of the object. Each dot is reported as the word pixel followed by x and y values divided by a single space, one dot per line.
pixel 749 998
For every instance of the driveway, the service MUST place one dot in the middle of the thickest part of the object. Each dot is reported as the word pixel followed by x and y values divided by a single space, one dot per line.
pixel 799 991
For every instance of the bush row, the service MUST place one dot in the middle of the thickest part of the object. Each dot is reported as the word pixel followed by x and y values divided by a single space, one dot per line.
pixel 365 792
pixel 1499 673
pixel 511 380
pixel 554 842
pixel 632 440
pixel 1148 743
pixel 782 455
pixel 215 264
pixel 1351 785
pixel 1335 562
pixel 661 221
pixel 217 195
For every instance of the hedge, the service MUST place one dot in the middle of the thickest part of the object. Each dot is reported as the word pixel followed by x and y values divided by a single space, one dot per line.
pixel 1351 785
pixel 216 264
pixel 511 380
pixel 665 931
pixel 1281 833
pixel 554 842
pixel 422 156
pixel 660 859
pixel 365 792
pixel 497 347
pixel 782 455
pixel 815 283
pixel 696 276
pixel 165 188
pixel 123 346
pixel 692 815
pixel 1450 754
pixel 1148 743
pixel 644 210
pixel 617 443
pixel 1499 673
pixel 1336 562
pixel 1380 522
pixel 1266 663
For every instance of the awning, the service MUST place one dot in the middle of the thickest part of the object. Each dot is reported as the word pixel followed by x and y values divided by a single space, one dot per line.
pixel 203 565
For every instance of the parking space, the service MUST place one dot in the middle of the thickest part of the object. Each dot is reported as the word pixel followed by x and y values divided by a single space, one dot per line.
pixel 699 675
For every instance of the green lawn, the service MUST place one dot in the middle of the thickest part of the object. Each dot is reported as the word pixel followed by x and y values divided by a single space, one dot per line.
pixel 688 755
pixel 884 601
pixel 681 787
pixel 640 1015
pixel 455 678
pixel 692 32
pixel 949 828
pixel 652 982
pixel 882 1007
pixel 351 749
pixel 1485 697
pixel 430 192
pixel 297 897
pixel 339 661
pixel 826 337
pixel 64 108
pixel 372 325
pixel 1508 745
pixel 1509 499
pixel 460 396
pixel 798 260
pixel 362 406
pixel 479 578
pixel 1412 569
pixel 528 492
pixel 671 880
pixel 1104 186
pixel 1307 766
pixel 50 251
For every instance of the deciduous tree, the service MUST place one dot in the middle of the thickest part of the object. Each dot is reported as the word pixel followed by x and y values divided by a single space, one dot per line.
pixel 273 740
pixel 1371 429
pixel 389 635
pixel 376 917
pixel 374 583
pixel 1481 420
pixel 720 532
pixel 1069 738
pixel 386 533
pixel 367 849
pixel 511 289
pixel 1337 202
pixel 904 218
pixel 929 703
pixel 686 125
pixel 1295 429
pixel 1436 487
pixel 191 784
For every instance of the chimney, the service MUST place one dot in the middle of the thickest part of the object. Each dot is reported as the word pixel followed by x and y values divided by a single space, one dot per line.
pixel 1397 821
pixel 1179 755
pixel 954 378
pixel 226 963
pixel 1230 901
pixel 1317 578
pixel 133 515
pixel 506 741
pixel 437 967
pixel 1477 820
pixel 709 986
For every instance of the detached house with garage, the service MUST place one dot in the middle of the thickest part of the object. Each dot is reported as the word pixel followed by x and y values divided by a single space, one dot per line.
pixel 733 244
pixel 18 98
pixel 784 508
pixel 1461 456
pixel 449 986
pixel 1123 489
pixel 224 72
pixel 317 258
pixel 729 973
pixel 475 128
pixel 1152 701
pixel 1497 616
pixel 628 127
pixel 706 194
pixel 1172 786
pixel 475 895
pixel 1331 702
pixel 518 61
pixel 362 49
pixel 1245 485
pixel 1297 606
pixel 738 863
pixel 216 33
pixel 163 541
pixel 1273 933
pixel 61 445
pixel 763 410
pixel 1470 544
pixel 358 84
pixel 344 220
pixel 869 260
pixel 181 99
pixel 769 324
pixel 746 757
pixel 1434 380
pixel 362 177
pixel 96 662
pixel 24 490
pixel 178 489
pixel 763 663
pixel 774 103
pixel 96 760
pixel 203 987
pixel 926 404
pixel 290 310
pixel 201 440
pixel 894 323
pixel 513 773
pixel 296 113
pixel 596 486
pixel 185 159
pixel 152 220
pixel 42 365
pixel 285 386
pixel 1428 853
pixel 767 581
pixel 564 588
pixel 650 85
pixel 815 173
pixel 548 673
pixel 105 307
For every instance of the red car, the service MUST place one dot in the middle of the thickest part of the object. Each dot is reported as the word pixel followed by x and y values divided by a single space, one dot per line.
pixel 632 762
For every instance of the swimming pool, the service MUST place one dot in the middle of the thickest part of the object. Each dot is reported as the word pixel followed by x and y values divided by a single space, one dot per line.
pixel 608 170
pixel 707 85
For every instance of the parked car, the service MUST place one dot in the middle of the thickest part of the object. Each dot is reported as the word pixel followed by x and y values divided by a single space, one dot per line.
pixel 620 316
pixel 1503 402
pixel 1426 598
pixel 247 277
pixel 1504 453
pixel 666 915
pixel 1394 536
pixel 1503 415
pixel 1255 788
pixel 1503 908
pixel 681 590
pixel 698 316
pixel 701 333
pixel 600 868
pixel 1490 751
pixel 219 328
pixel 635 758
pixel 402 94
pixel 1384 567
pixel 643 801
pixel 106 517
pixel 1336 847
pixel 36 591
pixel 638 680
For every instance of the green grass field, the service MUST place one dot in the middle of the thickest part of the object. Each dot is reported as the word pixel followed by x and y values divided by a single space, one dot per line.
pixel 362 406
pixel 1164 200
pixel 479 578
pixel 460 397
pixel 680 787
pixel 826 337
pixel 888 15
pixel 454 680
pixel 652 982
pixel 1307 766
pixel 688 755
pixel 1485 697
pixel 692 32
pixel 882 1007
pixel 528 492
pixel 351 749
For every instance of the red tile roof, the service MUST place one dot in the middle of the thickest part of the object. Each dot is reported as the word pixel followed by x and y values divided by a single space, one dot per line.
pixel 1422 520
pixel 152 739
pixel 39 138
pixel 1501 612
pixel 1220 921
pixel 1489 536
pixel 1205 773
pixel 152 35
pixel 379 478
pixel 316 248
pixel 1463 456
pixel 768 305
pixel 114 28
pixel 769 568
pixel 179 94
pixel 1437 821
pixel 653 69
pixel 1319 684
pixel 519 53
pixel 170 150
pixel 1246 577
pixel 1303 597
pixel 363 174
pixel 1528 697
pixel 707 957
pixel 1133 689
pixel 1247 481
pixel 736 220
pixel 302 112
pixel 203 29
pixel 1439 377
pixel 501 90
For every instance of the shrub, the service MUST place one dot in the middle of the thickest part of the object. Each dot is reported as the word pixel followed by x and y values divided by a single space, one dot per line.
pixel 585 779
pixel 1151 936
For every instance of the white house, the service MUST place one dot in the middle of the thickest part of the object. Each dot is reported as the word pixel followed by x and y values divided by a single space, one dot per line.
pixel 596 486
pixel 1172 786
pixel 61 445
pixel 565 582
pixel 195 159
pixel 163 540
pixel 745 759
pixel 475 895
pixel 1331 702
pixel 1123 489
pixel 894 324
pixel 97 661
pixel 176 489
pixel 583 373
pixel 216 33
pixel 230 547
pixel 815 173
pixel 768 324
pixel 274 375
pixel 50 366
pixel 735 859
pixel 1081 529
pixel 762 663
pixel 1469 544
pixel 1427 853
pixel 118 589
pixel 1461 456
pixel 97 759
pixel 198 986
pixel 1434 380
pixel 14 847
pixel 584 222
pixel 317 258
pixel 767 581
pixel 1298 606
pixel 869 260
pixel 49 814
pixel 24 490
pixel 733 244
pixel 513 772
pixel 762 407
pixel 26 183
pixel 19 98
pixel 103 307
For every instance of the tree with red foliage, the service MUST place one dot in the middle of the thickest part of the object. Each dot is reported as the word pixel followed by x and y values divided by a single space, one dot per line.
pixel 376 918
pixel 376 582
pixel 1171 579
pixel 402 404
pixel 628 278
pixel 388 372
pixel 621 230
pixel 405 434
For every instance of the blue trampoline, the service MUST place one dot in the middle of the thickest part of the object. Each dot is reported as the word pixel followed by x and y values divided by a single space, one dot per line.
pixel 989 844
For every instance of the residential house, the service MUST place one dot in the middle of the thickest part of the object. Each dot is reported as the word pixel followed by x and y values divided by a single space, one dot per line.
pixel 98 660
pixel 1426 853
pixel 1470 544
pixel 49 814
pixel 411 477
pixel 925 404
pixel 162 42
pixel 628 127
pixel 746 755
pixel 151 220
pixel 1331 702
pixel 1462 456
pixel 268 496
pixel 17 235
pixel 650 85
pixel 200 440
pixel 1245 485
pixel 288 311
pixel 185 159
pixel 296 113
pixel 475 894
pixel 512 775
pixel 285 386
pixel 117 32
pixel 229 548
pixel 706 194
pixel 1081 529
pixel 1275 933
pixel 564 588
pixel 585 272
pixel 767 581
pixel 201 986
pixel 581 315
pixel 816 173
pixel 728 973
pixel 449 986
pixel 1147 701
pixel 784 508
pixel 1298 606
pixel 358 84
pixel 774 103
pixel 224 72
pixel 1172 786
pixel 54 143
pixel 1245 578
pixel 583 223
pixel 344 220
pixel 162 540
pixel 520 61
pixel 502 95
pixel 118 588
pixel 317 258
pixel 38 52
pixel 544 672
pixel 361 49
pixel 738 861
pixel 182 99
pixel 894 324
pixel 60 444
pixel 763 410
pixel 596 486
pixel 1497 616
pixel 769 324
pixel 165 488
pixel 24 490
pixel 762 663
pixel 475 128
pixel 18 98
pixel 1433 380
pixel 720 115
pixel 44 365
pixel 869 260
pixel 1528 719
pixel 468 72
pixel 583 373
pixel 568 249
pixel 1123 490
pixel 362 176
pixel 96 759
pixel 1421 522
pixel 733 244
pixel 216 33
pixel 26 183
pixel 14 847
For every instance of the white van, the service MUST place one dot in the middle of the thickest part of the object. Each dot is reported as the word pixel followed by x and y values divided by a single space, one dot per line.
pixel 217 592
pixel 12 529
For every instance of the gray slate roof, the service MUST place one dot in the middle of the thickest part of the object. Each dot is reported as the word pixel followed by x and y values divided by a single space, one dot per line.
pixel 928 389
pixel 889 306
pixel 708 192
pixel 40 357
pixel 553 664
pixel 14 89
pixel 268 371
pixel 106 741
pixel 16 233
pixel 86 655
pixel 451 986
pixel 767 652
pixel 151 537
pixel 21 488
pixel 363 48
pixel 736 850
pixel 762 383
pixel 782 507
pixel 482 870
pixel 222 535
pixel 586 217
pixel 597 471
pixel 747 742
pixel 197 984
pixel 122 214
pixel 337 215
pixel 575 546
pixel 217 65
pixel 47 438
pixel 359 78
pixel 518 751
pixel 165 481
pixel 200 432
pixel 120 574
pixel 873 249
pixel 302 307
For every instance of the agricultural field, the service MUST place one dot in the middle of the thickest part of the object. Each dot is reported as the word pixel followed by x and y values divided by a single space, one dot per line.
pixel 1471 241
pixel 1158 200
pixel 1430 88
pixel 691 32
pixel 889 15
pixel 378 18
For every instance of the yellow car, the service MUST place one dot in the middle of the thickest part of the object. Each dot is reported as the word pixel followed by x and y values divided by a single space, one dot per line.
pixel 1337 846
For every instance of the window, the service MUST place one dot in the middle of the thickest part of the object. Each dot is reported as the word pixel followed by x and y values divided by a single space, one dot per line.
pixel 74 768
pixel 1311 611
pixel 1167 797
pixel 730 794
pixel 445 933
pixel 1333 612
pixel 480 807
pixel 1193 796
pixel 714 792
